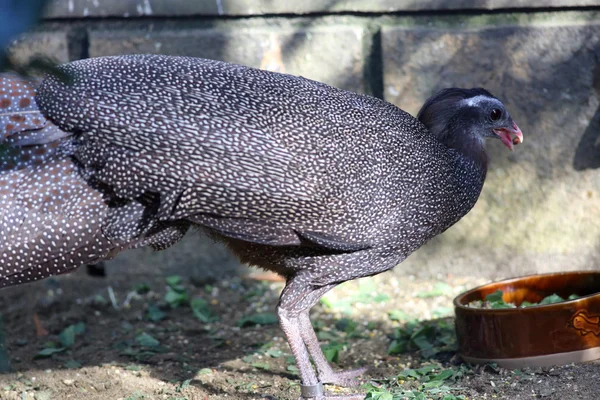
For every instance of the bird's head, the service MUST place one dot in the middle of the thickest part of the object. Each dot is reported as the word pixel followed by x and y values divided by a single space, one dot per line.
pixel 457 116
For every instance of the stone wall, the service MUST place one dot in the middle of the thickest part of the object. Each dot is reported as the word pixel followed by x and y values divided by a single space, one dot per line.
pixel 540 208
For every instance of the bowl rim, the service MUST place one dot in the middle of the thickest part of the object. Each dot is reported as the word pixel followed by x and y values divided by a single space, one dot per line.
pixel 463 308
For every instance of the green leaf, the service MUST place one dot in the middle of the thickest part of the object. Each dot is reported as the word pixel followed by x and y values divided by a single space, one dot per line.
pixel 258 319
pixel 261 365
pixel 146 340
pixel 175 283
pixel 553 298
pixel 409 373
pixel 494 297
pixel 290 360
pixel 327 336
pixel 426 369
pixel 173 280
pixel 385 396
pixel 398 315
pixel 176 298
pixel 432 384
pixel 332 351
pixel 79 328
pixel 201 309
pixel 380 298
pixel 275 353
pixel 443 375
pixel 346 325
pixel 184 385
pixel 141 288
pixel 48 352
pixel 293 369
pixel 67 336
pixel 398 346
pixel 155 314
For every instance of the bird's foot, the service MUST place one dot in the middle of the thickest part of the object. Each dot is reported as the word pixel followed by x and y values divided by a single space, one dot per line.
pixel 348 378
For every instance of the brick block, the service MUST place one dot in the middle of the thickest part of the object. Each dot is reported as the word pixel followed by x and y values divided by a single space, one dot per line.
pixel 540 204
pixel 332 55
pixel 133 8
pixel 53 45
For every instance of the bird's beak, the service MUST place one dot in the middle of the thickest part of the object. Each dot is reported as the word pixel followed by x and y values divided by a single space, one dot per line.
pixel 505 135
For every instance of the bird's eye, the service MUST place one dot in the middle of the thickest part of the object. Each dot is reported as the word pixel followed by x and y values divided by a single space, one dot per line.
pixel 495 115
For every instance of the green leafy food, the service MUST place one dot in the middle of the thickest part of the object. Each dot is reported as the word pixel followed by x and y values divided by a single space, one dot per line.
pixel 495 301
pixel 553 298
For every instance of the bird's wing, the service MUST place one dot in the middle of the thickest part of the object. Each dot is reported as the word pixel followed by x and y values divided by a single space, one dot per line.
pixel 214 141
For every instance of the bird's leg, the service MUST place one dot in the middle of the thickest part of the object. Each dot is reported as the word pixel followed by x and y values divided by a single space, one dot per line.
pixel 325 372
pixel 291 328
pixel 296 300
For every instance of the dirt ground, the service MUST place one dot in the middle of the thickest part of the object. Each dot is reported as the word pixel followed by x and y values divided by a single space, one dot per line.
pixel 142 346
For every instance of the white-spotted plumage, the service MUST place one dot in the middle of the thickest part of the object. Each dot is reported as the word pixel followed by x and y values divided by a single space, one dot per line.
pixel 318 184
pixel 253 156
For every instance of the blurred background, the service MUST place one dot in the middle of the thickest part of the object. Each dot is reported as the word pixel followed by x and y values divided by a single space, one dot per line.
pixel 540 208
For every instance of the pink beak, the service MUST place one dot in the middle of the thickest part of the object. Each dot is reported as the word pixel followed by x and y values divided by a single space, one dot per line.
pixel 505 135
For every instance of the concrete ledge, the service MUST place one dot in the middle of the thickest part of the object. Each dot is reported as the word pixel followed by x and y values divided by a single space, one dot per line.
pixel 333 55
pixel 136 8
pixel 54 45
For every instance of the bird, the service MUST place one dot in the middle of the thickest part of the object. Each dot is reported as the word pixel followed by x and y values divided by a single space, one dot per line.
pixel 315 183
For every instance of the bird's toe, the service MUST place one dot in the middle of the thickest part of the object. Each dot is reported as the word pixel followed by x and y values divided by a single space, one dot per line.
pixel 348 378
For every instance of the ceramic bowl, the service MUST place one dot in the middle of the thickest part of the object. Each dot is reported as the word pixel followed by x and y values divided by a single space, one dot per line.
pixel 536 336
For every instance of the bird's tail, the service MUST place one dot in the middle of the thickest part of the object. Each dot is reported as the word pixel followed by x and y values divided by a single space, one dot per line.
pixel 50 216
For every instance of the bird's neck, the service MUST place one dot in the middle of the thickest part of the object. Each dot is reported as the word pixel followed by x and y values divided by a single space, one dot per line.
pixel 471 147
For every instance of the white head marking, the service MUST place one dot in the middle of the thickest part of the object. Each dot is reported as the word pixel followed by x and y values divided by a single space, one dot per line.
pixel 477 100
